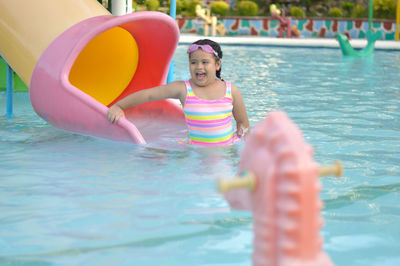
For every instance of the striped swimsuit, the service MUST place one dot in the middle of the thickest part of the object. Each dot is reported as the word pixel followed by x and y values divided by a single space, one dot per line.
pixel 209 121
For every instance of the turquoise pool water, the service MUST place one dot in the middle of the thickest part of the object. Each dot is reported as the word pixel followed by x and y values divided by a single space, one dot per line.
pixel 68 199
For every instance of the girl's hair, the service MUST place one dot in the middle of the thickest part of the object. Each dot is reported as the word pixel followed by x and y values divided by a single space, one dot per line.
pixel 217 49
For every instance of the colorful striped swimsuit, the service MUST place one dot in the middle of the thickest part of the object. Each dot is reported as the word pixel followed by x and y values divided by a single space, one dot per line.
pixel 209 121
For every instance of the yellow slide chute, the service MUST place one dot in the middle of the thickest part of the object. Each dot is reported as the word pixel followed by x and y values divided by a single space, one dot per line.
pixel 106 65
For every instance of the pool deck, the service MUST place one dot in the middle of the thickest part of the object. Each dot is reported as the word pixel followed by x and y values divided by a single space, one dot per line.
pixel 288 42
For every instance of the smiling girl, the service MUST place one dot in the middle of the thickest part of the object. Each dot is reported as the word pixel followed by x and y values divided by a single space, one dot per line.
pixel 208 101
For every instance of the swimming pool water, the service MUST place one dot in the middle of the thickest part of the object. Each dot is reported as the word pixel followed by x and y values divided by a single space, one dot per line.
pixel 68 199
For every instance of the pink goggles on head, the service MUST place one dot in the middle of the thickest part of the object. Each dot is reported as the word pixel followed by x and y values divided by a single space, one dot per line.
pixel 205 47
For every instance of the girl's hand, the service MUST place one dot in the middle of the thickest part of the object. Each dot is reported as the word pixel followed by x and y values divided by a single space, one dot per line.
pixel 243 132
pixel 114 113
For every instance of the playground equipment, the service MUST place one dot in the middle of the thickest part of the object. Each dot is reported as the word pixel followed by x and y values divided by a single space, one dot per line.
pixel 348 50
pixel 285 23
pixel 279 184
pixel 210 21
pixel 79 59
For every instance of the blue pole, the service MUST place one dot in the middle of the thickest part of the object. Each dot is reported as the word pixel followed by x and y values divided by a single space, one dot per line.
pixel 172 11
pixel 171 70
pixel 10 86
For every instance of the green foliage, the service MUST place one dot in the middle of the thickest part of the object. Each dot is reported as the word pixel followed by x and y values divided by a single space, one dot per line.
pixel 181 6
pixel 347 8
pixel 360 12
pixel 385 9
pixel 261 3
pixel 139 2
pixel 247 8
pixel 307 3
pixel 19 85
pixel 134 6
pixel 191 7
pixel 152 5
pixel 296 12
pixel 219 8
pixel 335 12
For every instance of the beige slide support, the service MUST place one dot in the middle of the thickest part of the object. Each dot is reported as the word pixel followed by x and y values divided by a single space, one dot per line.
pixel 27 27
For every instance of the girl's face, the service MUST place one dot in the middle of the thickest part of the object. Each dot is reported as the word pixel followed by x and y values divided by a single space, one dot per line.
pixel 203 67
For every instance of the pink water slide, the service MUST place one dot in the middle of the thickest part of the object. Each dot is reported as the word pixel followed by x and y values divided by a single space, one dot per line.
pixel 77 59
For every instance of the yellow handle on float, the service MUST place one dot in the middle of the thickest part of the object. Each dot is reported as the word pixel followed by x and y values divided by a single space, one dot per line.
pixel 334 169
pixel 246 181
pixel 249 180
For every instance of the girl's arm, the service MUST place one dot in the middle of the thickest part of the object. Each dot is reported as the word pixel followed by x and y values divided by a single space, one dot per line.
pixel 239 113
pixel 175 90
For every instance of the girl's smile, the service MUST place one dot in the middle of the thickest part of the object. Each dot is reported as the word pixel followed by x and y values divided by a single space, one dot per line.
pixel 203 67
